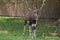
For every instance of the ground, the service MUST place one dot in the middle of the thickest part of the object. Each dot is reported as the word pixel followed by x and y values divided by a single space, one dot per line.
pixel 12 29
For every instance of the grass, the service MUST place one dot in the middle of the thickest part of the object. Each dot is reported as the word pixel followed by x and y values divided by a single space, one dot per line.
pixel 12 29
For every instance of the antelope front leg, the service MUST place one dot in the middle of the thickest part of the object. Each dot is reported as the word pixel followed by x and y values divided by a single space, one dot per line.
pixel 34 28
pixel 33 31
pixel 24 27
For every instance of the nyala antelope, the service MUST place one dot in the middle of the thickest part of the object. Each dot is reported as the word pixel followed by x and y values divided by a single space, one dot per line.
pixel 32 17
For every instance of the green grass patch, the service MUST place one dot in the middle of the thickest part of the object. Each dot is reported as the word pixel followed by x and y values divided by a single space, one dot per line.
pixel 12 29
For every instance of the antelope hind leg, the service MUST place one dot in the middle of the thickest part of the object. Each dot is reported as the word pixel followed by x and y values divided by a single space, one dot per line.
pixel 33 26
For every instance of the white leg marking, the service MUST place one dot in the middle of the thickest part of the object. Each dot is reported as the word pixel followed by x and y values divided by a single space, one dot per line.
pixel 33 25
